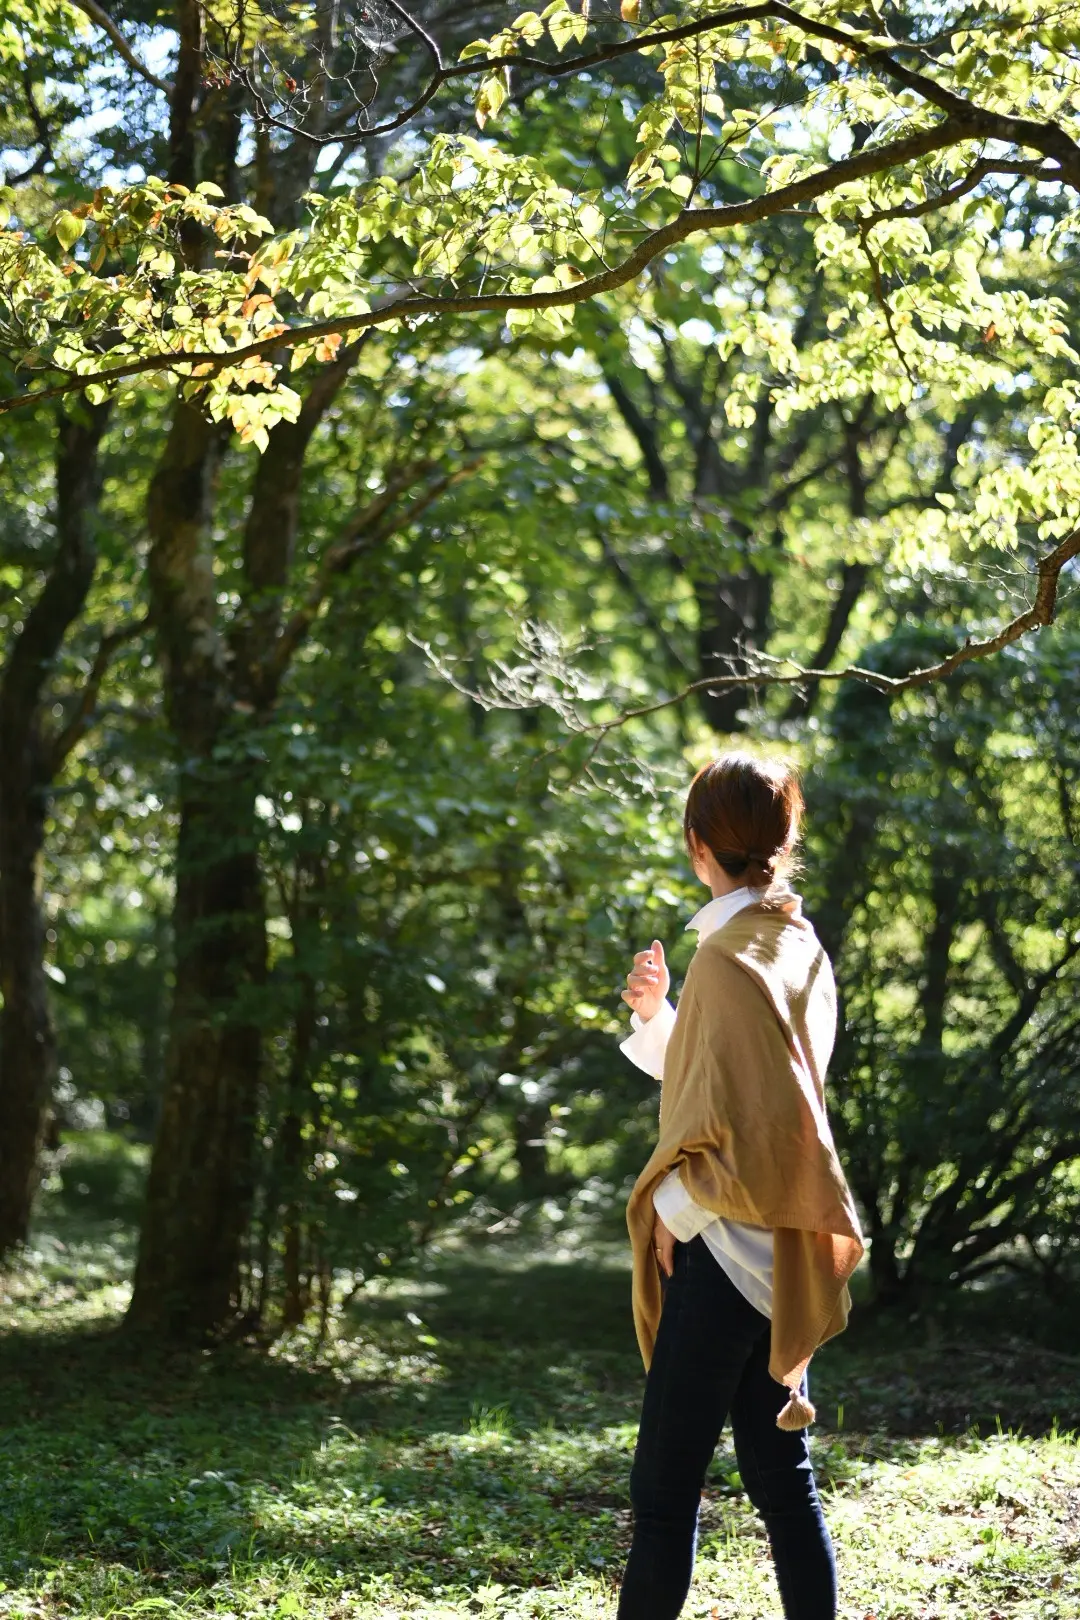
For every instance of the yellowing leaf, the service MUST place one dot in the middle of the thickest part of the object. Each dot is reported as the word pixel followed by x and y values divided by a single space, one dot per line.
pixel 67 230
pixel 629 10
pixel 328 346
pixel 590 221
pixel 562 26
pixel 490 98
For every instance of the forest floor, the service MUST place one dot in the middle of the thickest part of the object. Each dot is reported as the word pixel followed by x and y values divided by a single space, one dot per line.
pixel 461 1448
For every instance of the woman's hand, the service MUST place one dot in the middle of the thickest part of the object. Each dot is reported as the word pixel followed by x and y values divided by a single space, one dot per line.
pixel 663 1242
pixel 648 982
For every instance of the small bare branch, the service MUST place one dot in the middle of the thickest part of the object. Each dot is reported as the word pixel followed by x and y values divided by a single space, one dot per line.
pixel 548 678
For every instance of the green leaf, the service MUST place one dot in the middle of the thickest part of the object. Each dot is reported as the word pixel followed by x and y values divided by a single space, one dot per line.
pixel 529 26
pixel 67 229
pixel 563 24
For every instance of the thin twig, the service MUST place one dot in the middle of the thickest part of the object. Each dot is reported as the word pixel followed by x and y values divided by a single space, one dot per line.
pixel 880 295
pixel 770 671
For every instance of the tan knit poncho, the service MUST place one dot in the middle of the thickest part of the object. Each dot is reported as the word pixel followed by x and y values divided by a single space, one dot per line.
pixel 742 1115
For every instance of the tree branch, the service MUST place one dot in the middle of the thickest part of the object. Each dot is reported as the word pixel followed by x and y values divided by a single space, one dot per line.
pixel 870 161
pixel 853 579
pixel 91 9
pixel 967 182
pixel 60 746
pixel 270 532
pixel 1046 138
pixel 444 72
pixel 366 530
pixel 640 601
pixel 642 430
pixel 765 670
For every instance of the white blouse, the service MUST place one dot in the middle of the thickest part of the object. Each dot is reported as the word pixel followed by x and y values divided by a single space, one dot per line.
pixel 745 1252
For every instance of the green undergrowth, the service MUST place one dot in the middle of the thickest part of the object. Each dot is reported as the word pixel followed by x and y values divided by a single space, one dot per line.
pixel 462 1446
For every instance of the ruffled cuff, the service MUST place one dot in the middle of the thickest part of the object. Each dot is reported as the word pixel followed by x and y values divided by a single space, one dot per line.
pixel 648 1043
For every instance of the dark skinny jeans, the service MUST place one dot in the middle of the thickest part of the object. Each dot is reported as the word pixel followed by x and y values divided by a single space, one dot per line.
pixel 712 1360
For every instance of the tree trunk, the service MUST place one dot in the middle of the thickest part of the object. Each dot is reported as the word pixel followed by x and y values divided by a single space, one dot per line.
pixel 530 1150
pixel 200 1185
pixel 733 609
pixel 890 1287
pixel 731 619
pixel 30 760
pixel 27 1047
pixel 217 696
pixel 302 1104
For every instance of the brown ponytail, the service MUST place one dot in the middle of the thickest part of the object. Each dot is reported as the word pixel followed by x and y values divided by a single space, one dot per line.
pixel 747 812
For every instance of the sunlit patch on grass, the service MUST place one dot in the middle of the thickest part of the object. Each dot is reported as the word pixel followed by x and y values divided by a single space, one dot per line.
pixel 483 1473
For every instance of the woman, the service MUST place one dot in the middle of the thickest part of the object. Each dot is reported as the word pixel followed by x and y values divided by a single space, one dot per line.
pixel 743 1208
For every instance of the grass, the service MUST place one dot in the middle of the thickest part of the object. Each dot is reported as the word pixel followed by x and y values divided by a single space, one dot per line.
pixel 462 1448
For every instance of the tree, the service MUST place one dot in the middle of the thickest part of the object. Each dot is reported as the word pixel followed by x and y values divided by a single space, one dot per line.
pixel 947 887
pixel 34 747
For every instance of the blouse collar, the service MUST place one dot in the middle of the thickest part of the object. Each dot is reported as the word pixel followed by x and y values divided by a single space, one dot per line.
pixel 719 910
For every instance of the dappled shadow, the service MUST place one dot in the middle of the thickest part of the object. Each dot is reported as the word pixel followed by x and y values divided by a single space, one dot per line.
pixel 477 1418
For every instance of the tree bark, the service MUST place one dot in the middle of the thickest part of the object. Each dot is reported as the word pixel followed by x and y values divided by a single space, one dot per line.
pixel 201 1188
pixel 30 760
pixel 200 1184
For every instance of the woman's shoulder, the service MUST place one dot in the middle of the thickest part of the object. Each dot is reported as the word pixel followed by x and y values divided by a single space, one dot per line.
pixel 767 933
pixel 720 966
pixel 781 954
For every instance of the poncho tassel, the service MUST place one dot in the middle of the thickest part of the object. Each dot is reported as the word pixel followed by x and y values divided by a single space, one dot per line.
pixel 799 1413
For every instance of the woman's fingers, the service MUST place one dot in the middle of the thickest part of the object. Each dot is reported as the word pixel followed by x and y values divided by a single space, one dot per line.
pixel 645 978
pixel 664 1247
pixel 642 981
